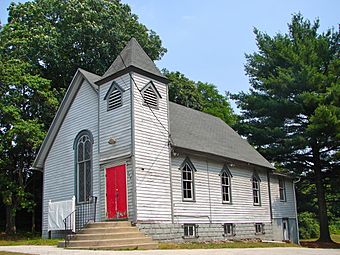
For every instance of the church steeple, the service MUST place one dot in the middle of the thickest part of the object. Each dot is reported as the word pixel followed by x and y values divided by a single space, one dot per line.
pixel 132 58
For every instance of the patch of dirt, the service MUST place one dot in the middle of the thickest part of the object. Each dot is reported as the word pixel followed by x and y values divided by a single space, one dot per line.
pixel 316 244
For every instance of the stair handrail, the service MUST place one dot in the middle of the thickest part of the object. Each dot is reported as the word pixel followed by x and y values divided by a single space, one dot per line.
pixel 69 223
pixel 79 218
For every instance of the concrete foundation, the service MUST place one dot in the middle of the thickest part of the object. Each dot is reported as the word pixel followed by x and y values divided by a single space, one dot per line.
pixel 205 232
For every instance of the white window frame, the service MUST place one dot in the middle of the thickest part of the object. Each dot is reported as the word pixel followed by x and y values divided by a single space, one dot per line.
pixel 188 167
pixel 226 187
pixel 229 229
pixel 190 231
pixel 282 190
pixel 256 189
pixel 259 229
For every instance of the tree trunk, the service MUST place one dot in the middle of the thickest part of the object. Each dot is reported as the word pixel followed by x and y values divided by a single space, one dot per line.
pixel 10 220
pixel 33 221
pixel 323 218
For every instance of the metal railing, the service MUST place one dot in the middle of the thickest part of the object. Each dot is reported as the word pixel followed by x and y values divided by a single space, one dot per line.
pixel 78 219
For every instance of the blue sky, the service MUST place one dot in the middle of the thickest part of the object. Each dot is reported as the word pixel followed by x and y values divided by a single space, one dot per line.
pixel 207 40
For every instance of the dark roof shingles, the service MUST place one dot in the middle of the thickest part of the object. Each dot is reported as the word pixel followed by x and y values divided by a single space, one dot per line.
pixel 198 131
pixel 132 55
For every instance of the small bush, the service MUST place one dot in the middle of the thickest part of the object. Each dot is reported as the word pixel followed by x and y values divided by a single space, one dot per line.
pixel 334 227
pixel 308 225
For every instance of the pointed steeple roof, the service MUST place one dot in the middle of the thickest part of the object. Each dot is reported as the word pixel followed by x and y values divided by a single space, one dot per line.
pixel 132 57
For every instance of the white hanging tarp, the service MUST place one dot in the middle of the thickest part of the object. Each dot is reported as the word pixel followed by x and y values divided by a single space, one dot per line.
pixel 58 211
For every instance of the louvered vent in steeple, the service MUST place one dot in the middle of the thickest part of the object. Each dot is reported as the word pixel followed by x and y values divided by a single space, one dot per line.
pixel 114 96
pixel 150 95
pixel 114 100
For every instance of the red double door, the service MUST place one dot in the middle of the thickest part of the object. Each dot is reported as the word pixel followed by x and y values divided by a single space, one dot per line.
pixel 116 203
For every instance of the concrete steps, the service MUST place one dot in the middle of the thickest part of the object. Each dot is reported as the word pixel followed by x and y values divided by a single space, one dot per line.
pixel 108 230
pixel 105 236
pixel 111 236
pixel 142 246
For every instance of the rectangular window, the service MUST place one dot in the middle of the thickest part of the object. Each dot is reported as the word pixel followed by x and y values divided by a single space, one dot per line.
pixel 256 191
pixel 259 228
pixel 228 229
pixel 282 189
pixel 190 231
pixel 188 182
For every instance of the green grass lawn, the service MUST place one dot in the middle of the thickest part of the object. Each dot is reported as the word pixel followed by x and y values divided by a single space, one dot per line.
pixel 26 240
pixel 220 245
pixel 11 253
pixel 336 238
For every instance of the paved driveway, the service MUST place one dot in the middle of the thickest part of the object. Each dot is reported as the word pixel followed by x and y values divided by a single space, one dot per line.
pixel 50 250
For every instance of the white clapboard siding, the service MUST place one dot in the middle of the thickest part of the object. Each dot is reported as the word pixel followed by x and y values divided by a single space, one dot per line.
pixel 59 169
pixel 152 156
pixel 282 209
pixel 204 208
pixel 115 123
pixel 130 190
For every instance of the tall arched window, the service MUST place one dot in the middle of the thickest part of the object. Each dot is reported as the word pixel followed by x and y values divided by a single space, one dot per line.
pixel 83 152
pixel 188 185
pixel 226 184
pixel 256 189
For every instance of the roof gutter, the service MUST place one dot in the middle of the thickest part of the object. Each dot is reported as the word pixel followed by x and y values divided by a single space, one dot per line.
pixel 222 158
pixel 132 69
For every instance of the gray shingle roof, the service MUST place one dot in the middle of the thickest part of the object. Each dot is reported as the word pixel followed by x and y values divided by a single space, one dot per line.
pixel 91 77
pixel 198 131
pixel 133 55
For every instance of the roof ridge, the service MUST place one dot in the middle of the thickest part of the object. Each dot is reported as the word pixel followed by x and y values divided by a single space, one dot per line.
pixel 83 70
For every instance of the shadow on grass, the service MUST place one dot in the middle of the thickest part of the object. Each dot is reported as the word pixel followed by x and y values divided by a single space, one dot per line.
pixel 25 239
pixel 315 244
pixel 312 243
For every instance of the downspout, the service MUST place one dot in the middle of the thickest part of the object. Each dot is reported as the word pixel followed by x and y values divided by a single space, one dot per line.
pixel 171 195
pixel 296 215
pixel 133 159
pixel 270 198
pixel 170 163
pixel 210 213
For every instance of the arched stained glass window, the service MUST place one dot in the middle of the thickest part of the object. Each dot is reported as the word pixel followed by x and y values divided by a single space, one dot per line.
pixel 83 143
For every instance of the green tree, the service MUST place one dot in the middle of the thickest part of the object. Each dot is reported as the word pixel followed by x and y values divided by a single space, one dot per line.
pixel 183 90
pixel 56 37
pixel 26 105
pixel 199 96
pixel 291 113
pixel 214 103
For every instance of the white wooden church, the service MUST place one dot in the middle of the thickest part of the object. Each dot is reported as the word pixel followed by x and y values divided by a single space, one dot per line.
pixel 174 173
